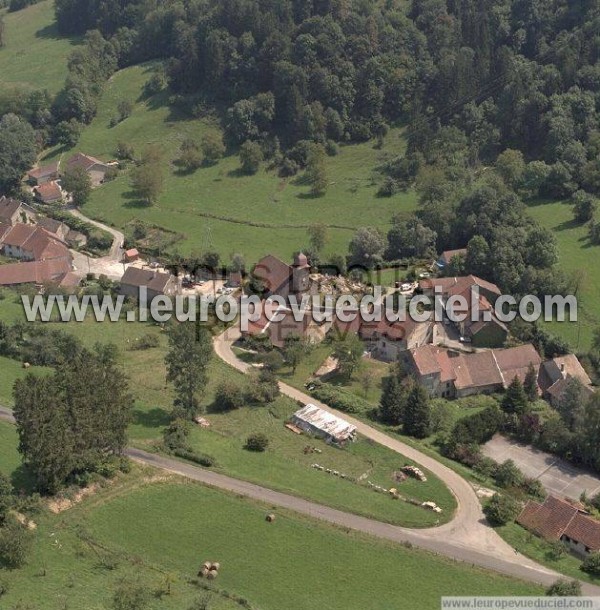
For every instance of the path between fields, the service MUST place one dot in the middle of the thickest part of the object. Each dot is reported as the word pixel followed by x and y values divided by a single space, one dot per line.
pixel 109 265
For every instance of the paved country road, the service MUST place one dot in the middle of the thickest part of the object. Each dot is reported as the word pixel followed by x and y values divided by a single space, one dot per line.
pixel 434 540
pixel 109 265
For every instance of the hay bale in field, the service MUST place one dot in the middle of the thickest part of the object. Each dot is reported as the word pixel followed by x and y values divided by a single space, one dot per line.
pixel 26 365
pixel 207 565
pixel 203 572
pixel 212 574
pixel 215 566
pixel 270 518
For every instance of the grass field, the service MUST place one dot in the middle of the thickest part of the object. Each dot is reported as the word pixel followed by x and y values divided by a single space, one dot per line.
pixel 284 466
pixel 577 257
pixel 145 530
pixel 34 56
pixel 284 205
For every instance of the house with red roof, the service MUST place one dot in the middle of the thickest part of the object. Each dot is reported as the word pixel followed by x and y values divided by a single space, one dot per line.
pixel 279 278
pixel 95 168
pixel 447 373
pixel 558 519
pixel 49 192
pixel 45 173
pixel 32 243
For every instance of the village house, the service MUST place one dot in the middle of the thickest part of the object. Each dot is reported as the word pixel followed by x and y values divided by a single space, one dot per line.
pixel 555 374
pixel 446 373
pixel 156 283
pixel 32 243
pixel 55 271
pixel 13 212
pixel 279 278
pixel 95 168
pixel 278 324
pixel 558 519
pixel 446 257
pixel 62 231
pixel 323 424
pixel 477 324
pixel 49 192
pixel 42 175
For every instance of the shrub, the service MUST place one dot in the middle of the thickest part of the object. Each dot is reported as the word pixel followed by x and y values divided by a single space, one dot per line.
pixel 564 588
pixel 229 395
pixel 508 475
pixel 591 565
pixel 15 543
pixel 500 510
pixel 175 435
pixel 147 341
pixel 341 399
pixel 263 388
pixel 130 596
pixel 257 442
pixel 203 459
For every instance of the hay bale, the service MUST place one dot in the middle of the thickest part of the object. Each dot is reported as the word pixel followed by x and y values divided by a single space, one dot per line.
pixel 212 574
pixel 203 572
pixel 270 518
pixel 26 365
pixel 207 565
pixel 215 566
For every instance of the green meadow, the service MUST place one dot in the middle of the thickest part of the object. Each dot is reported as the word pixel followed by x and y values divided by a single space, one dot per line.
pixel 216 207
pixel 34 55
pixel 156 530
pixel 578 258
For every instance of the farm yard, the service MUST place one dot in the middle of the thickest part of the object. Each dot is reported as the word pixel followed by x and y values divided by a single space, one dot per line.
pixel 156 531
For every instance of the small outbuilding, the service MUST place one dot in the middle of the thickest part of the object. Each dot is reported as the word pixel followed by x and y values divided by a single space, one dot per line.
pixel 131 255
pixel 324 424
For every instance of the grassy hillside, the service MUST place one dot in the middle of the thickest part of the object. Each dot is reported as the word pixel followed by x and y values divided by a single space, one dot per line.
pixel 577 258
pixel 151 528
pixel 34 55
pixel 190 202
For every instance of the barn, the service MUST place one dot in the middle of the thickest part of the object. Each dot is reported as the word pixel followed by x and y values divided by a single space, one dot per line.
pixel 321 423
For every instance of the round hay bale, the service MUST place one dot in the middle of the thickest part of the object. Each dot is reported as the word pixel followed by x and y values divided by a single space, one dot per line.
pixel 207 565
pixel 204 572
pixel 212 574
pixel 270 518
pixel 215 566
pixel 26 365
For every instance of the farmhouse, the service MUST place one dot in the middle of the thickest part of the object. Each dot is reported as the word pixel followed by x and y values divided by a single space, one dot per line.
pixel 449 286
pixel 43 174
pixel 56 271
pixel 319 422
pixel 278 323
pixel 156 284
pixel 446 257
pixel 13 212
pixel 31 243
pixel 282 279
pixel 557 519
pixel 447 373
pixel 555 374
pixel 95 168
pixel 49 192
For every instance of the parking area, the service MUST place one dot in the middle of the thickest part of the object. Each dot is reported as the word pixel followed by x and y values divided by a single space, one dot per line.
pixel 557 476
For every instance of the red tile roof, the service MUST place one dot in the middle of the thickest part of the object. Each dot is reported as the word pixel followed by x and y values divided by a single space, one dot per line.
pixel 556 518
pixel 31 238
pixel 84 161
pixel 273 273
pixel 49 191
pixel 447 256
pixel 34 272
pixel 44 170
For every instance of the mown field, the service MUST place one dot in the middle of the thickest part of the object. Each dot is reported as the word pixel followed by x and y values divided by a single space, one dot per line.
pixel 34 55
pixel 578 258
pixel 279 210
pixel 157 530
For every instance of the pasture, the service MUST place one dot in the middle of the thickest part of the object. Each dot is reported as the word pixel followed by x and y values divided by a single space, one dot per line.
pixel 34 55
pixel 217 208
pixel 577 259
